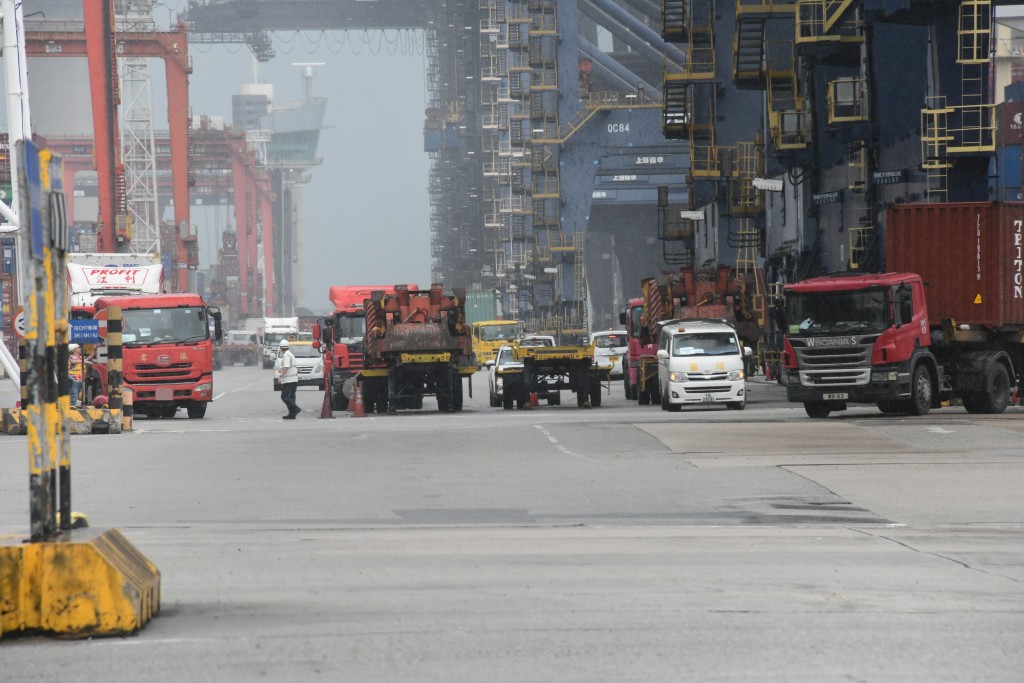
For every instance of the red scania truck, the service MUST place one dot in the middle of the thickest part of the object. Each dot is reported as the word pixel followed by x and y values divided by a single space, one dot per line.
pixel 946 322
pixel 167 353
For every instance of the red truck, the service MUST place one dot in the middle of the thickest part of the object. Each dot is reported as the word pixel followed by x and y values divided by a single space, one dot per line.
pixel 340 338
pixel 712 293
pixel 167 352
pixel 945 323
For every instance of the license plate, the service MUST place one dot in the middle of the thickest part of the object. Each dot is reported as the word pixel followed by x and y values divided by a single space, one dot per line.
pixel 164 394
pixel 613 359
pixel 840 396
pixel 708 398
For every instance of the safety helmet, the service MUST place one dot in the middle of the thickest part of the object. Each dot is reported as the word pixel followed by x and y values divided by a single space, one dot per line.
pixel 284 344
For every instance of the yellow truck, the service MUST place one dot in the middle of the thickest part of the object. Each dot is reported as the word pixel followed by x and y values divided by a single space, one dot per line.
pixel 491 335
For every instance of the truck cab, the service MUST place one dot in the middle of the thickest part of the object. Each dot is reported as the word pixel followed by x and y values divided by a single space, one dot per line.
pixel 859 339
pixel 167 353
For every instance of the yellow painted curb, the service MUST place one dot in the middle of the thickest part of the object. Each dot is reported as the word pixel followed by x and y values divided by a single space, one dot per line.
pixel 79 421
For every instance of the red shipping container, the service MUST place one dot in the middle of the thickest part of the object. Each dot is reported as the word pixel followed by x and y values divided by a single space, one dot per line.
pixel 969 256
pixel 1011 123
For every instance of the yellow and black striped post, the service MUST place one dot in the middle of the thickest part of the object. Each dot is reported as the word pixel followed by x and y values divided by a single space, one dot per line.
pixel 115 369
pixel 79 582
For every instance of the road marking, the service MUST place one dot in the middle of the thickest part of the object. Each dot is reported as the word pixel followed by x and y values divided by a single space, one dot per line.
pixel 560 447
pixel 234 391
pixel 940 430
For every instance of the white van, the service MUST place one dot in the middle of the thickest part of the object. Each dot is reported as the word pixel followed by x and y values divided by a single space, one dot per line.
pixel 609 349
pixel 701 362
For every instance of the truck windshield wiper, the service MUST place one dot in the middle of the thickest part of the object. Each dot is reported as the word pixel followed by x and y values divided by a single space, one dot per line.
pixel 190 340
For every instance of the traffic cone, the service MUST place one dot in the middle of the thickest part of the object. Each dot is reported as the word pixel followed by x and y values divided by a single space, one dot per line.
pixel 533 399
pixel 326 410
pixel 358 410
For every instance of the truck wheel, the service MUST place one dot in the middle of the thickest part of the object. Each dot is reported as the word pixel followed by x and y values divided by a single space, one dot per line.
pixel 167 412
pixel 506 399
pixel 817 409
pixel 581 398
pixel 339 401
pixel 920 401
pixel 196 411
pixel 664 400
pixel 595 396
pixel 997 395
pixel 737 405
pixel 889 407
pixel 457 394
pixel 555 398
pixel 644 396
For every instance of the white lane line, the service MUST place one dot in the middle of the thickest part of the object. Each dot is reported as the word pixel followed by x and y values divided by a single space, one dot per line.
pixel 234 391
pixel 560 447
pixel 940 430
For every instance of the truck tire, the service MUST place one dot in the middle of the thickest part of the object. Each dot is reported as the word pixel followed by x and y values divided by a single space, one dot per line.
pixel 506 399
pixel 920 401
pixel 338 400
pixel 996 398
pixel 595 396
pixel 817 409
pixel 196 411
pixel 644 396
pixel 167 412
pixel 889 407
pixel 555 398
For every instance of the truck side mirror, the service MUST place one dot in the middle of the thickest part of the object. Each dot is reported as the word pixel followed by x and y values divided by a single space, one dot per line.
pixel 747 352
pixel 218 329
pixel 622 318
pixel 662 354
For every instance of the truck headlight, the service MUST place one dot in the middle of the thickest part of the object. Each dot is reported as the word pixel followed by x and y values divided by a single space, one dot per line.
pixel 205 386
pixel 883 375
pixel 735 375
pixel 319 368
pixel 678 377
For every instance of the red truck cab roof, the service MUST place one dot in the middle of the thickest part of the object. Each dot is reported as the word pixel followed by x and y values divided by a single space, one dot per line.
pixel 150 301
pixel 836 283
pixel 349 298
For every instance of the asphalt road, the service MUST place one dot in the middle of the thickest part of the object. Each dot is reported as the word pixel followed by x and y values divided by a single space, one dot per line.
pixel 620 543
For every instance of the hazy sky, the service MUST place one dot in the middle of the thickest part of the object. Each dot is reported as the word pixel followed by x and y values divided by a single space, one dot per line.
pixel 366 208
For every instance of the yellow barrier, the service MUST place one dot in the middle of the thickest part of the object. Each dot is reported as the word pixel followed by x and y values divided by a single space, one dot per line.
pixel 96 583
pixel 79 421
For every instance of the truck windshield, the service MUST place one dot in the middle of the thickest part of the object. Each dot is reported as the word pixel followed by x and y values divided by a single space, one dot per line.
pixel 164 325
pixel 862 311
pixel 349 327
pixel 705 344
pixel 496 332
pixel 635 314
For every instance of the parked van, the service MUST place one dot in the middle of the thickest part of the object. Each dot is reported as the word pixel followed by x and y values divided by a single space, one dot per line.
pixel 701 362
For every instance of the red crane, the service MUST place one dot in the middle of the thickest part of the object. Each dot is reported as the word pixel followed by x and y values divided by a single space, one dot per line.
pixel 97 43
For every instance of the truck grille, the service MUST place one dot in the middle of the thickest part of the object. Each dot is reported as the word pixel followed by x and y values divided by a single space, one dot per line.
pixel 833 366
pixel 156 374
